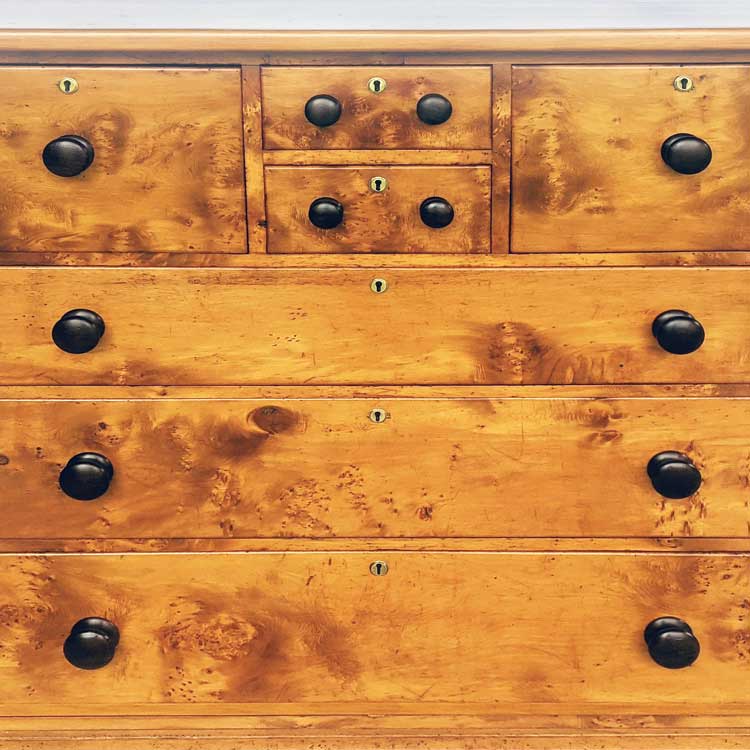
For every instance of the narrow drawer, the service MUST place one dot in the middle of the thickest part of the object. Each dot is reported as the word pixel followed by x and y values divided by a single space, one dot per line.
pixel 328 327
pixel 614 158
pixel 376 107
pixel 243 633
pixel 378 209
pixel 130 160
pixel 317 468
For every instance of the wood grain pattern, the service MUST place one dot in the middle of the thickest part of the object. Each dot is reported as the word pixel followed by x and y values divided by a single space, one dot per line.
pixel 167 174
pixel 313 327
pixel 587 169
pixel 249 632
pixel 368 120
pixel 322 469
pixel 501 157
pixel 254 181
pixel 395 741
pixel 378 222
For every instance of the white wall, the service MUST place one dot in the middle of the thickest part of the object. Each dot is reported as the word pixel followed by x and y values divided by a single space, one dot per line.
pixel 383 14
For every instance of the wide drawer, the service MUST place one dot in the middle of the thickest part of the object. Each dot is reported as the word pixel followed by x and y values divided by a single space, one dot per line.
pixel 205 326
pixel 253 630
pixel 164 153
pixel 378 209
pixel 592 155
pixel 376 107
pixel 317 468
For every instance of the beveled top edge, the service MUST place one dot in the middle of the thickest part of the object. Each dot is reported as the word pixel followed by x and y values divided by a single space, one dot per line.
pixel 228 41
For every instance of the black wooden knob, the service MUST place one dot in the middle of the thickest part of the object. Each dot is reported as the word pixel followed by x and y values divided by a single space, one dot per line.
pixel 78 331
pixel 323 110
pixel 68 155
pixel 671 642
pixel 674 475
pixel 685 153
pixel 434 109
pixel 678 332
pixel 326 213
pixel 86 476
pixel 436 212
pixel 92 643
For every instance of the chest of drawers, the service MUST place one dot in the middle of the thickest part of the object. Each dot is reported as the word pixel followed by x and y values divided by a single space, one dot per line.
pixel 375 390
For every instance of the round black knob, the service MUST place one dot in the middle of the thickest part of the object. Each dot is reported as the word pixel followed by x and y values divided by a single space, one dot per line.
pixel 78 331
pixel 685 153
pixel 68 155
pixel 671 642
pixel 326 213
pixel 434 109
pixel 678 332
pixel 436 212
pixel 91 643
pixel 674 475
pixel 86 476
pixel 323 110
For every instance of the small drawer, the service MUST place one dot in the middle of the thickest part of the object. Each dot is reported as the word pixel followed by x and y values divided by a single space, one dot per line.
pixel 308 632
pixel 630 158
pixel 122 160
pixel 378 209
pixel 327 468
pixel 376 107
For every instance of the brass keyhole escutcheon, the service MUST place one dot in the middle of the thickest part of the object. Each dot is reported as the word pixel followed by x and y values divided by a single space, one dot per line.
pixel 379 568
pixel 379 415
pixel 683 83
pixel 377 85
pixel 378 285
pixel 378 184
pixel 68 85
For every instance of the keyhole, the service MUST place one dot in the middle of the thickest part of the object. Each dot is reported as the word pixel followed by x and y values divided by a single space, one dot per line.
pixel 66 84
pixel 378 184
pixel 376 85
pixel 378 568
pixel 683 83
pixel 378 285
pixel 378 415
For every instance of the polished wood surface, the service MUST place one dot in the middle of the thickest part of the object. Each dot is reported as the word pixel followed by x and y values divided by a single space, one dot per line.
pixel 204 327
pixel 376 120
pixel 588 175
pixel 322 469
pixel 378 222
pixel 167 173
pixel 251 631
pixel 217 41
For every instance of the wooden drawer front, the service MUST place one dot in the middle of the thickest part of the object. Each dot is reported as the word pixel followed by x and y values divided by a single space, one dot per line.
pixel 322 468
pixel 376 120
pixel 588 174
pixel 388 221
pixel 230 327
pixel 167 173
pixel 251 630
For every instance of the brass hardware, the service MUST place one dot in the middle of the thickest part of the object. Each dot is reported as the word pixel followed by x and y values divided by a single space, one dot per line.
pixel 377 85
pixel 683 83
pixel 378 184
pixel 379 568
pixel 379 415
pixel 379 285
pixel 68 85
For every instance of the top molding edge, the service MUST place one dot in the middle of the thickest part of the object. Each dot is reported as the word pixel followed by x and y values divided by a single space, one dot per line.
pixel 218 41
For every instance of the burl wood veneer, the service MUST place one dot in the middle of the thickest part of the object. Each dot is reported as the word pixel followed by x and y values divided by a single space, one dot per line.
pixel 293 458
